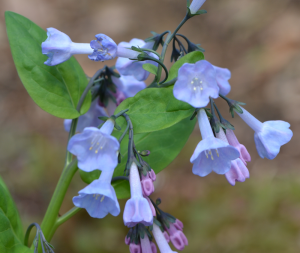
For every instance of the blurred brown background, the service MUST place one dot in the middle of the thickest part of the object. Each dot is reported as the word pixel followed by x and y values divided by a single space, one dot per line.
pixel 258 40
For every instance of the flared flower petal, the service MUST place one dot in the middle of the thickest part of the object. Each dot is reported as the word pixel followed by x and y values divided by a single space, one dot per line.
pixel 222 77
pixel 269 136
pixel 104 48
pixel 59 47
pixel 129 67
pixel 89 119
pixel 233 141
pixel 238 172
pixel 196 83
pixel 99 197
pixel 137 209
pixel 161 241
pixel 95 148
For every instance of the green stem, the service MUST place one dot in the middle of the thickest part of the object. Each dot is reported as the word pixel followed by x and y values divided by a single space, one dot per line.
pixel 66 216
pixel 51 215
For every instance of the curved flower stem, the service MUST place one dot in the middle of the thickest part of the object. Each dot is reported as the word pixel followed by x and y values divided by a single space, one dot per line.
pixel 65 217
pixel 51 215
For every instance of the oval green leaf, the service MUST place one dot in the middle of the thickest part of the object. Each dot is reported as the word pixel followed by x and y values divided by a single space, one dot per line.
pixel 150 68
pixel 154 109
pixel 56 89
pixel 164 146
pixel 11 231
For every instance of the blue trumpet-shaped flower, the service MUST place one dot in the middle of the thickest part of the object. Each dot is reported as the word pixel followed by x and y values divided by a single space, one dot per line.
pixel 137 209
pixel 211 154
pixel 95 148
pixel 269 136
pixel 99 197
pixel 196 83
pixel 89 119
pixel 129 67
pixel 59 47
pixel 104 48
pixel 196 5
pixel 128 85
pixel 161 240
pixel 222 77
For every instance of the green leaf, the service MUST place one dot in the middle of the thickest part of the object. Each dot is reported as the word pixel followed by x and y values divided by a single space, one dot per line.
pixel 150 67
pixel 154 109
pixel 192 57
pixel 11 232
pixel 164 146
pixel 55 89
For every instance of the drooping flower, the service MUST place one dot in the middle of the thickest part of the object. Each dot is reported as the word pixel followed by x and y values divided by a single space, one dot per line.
pixel 161 241
pixel 222 77
pixel 269 136
pixel 238 170
pixel 104 48
pixel 147 246
pixel 177 237
pixel 178 224
pixel 196 5
pixel 135 248
pixel 211 154
pixel 196 83
pixel 130 67
pixel 128 85
pixel 59 47
pixel 99 197
pixel 89 119
pixel 147 185
pixel 233 141
pixel 137 209
pixel 95 148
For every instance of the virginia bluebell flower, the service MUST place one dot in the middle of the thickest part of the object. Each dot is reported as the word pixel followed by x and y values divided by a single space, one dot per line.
pixel 222 77
pixel 89 119
pixel 233 141
pixel 129 67
pixel 129 85
pixel 104 48
pixel 177 237
pixel 269 136
pixel 238 170
pixel 95 148
pixel 211 154
pixel 99 197
pixel 59 47
pixel 196 5
pixel 161 241
pixel 137 209
pixel 147 246
pixel 196 83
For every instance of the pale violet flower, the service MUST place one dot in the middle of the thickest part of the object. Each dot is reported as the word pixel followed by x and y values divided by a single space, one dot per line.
pixel 222 77
pixel 211 154
pixel 238 170
pixel 146 245
pixel 147 183
pixel 128 85
pixel 129 67
pixel 161 241
pixel 196 83
pixel 269 136
pixel 177 237
pixel 104 48
pixel 59 47
pixel 137 209
pixel 196 5
pixel 233 141
pixel 89 119
pixel 99 197
pixel 95 148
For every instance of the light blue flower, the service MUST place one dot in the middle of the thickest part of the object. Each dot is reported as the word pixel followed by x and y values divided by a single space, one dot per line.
pixel 128 85
pixel 129 67
pixel 59 47
pixel 211 154
pixel 196 83
pixel 238 172
pixel 137 209
pixel 89 119
pixel 104 48
pixel 99 197
pixel 222 77
pixel 95 148
pixel 196 5
pixel 269 136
